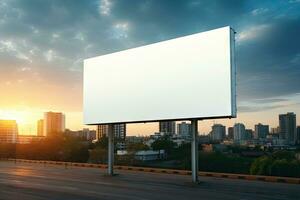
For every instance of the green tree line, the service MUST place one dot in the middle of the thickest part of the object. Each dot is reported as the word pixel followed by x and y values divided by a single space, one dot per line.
pixel 71 149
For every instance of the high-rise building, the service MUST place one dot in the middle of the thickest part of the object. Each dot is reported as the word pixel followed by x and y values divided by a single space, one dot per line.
pixel 184 130
pixel 287 126
pixel 239 132
pixel 167 127
pixel 230 133
pixel 40 127
pixel 8 131
pixel 54 123
pixel 101 131
pixel 298 134
pixel 249 134
pixel 218 132
pixel 275 130
pixel 261 131
pixel 118 129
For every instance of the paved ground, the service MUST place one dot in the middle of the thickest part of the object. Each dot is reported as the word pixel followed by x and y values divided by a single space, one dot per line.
pixel 36 181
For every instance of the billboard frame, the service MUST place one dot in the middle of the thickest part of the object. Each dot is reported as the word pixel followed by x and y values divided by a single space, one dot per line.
pixel 232 88
pixel 194 120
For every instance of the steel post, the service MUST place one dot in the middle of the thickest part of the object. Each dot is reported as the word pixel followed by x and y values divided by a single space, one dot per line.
pixel 194 149
pixel 110 164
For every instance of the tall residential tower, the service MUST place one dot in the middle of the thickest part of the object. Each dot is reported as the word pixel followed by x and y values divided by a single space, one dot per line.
pixel 239 132
pixel 184 130
pixel 8 131
pixel 218 132
pixel 167 127
pixel 118 129
pixel 287 127
pixel 261 131
pixel 54 123
pixel 40 127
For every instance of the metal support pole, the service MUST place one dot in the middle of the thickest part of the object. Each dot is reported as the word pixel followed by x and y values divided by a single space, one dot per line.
pixel 194 149
pixel 110 164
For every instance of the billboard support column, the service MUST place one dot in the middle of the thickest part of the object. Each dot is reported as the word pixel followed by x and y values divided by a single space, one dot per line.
pixel 110 164
pixel 194 149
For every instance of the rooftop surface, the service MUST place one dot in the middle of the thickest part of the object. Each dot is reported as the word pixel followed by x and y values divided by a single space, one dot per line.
pixel 38 181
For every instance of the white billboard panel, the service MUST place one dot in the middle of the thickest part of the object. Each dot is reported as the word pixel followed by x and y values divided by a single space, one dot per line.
pixel 184 78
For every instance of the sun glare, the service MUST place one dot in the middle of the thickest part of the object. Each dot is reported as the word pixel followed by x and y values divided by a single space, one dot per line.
pixel 26 119
pixel 20 116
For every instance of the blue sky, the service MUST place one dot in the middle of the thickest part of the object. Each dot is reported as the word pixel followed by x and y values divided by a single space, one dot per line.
pixel 43 44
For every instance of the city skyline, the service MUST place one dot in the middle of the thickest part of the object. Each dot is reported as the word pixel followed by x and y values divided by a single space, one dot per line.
pixel 163 126
pixel 41 57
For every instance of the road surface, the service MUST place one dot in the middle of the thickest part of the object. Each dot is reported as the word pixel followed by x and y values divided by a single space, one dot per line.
pixel 38 181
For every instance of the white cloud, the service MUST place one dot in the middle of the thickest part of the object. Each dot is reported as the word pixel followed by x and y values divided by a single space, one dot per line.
pixel 55 35
pixel 259 11
pixel 34 51
pixel 23 57
pixel 87 47
pixel 79 36
pixel 34 30
pixel 14 49
pixel 121 30
pixel 252 32
pixel 7 45
pixel 23 69
pixel 49 55
pixel 105 7
pixel 294 1
pixel 122 26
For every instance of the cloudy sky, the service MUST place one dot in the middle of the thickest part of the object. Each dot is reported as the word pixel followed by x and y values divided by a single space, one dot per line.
pixel 43 44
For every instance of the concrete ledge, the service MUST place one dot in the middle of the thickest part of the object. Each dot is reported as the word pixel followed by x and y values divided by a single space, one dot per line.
pixel 168 171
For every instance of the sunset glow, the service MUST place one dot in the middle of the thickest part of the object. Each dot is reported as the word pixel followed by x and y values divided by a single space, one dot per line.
pixel 41 62
pixel 22 117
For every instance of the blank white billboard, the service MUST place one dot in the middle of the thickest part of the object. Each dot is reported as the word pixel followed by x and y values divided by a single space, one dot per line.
pixel 191 77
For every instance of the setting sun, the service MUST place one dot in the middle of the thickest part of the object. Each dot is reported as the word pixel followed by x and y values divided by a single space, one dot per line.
pixel 25 118
pixel 21 116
